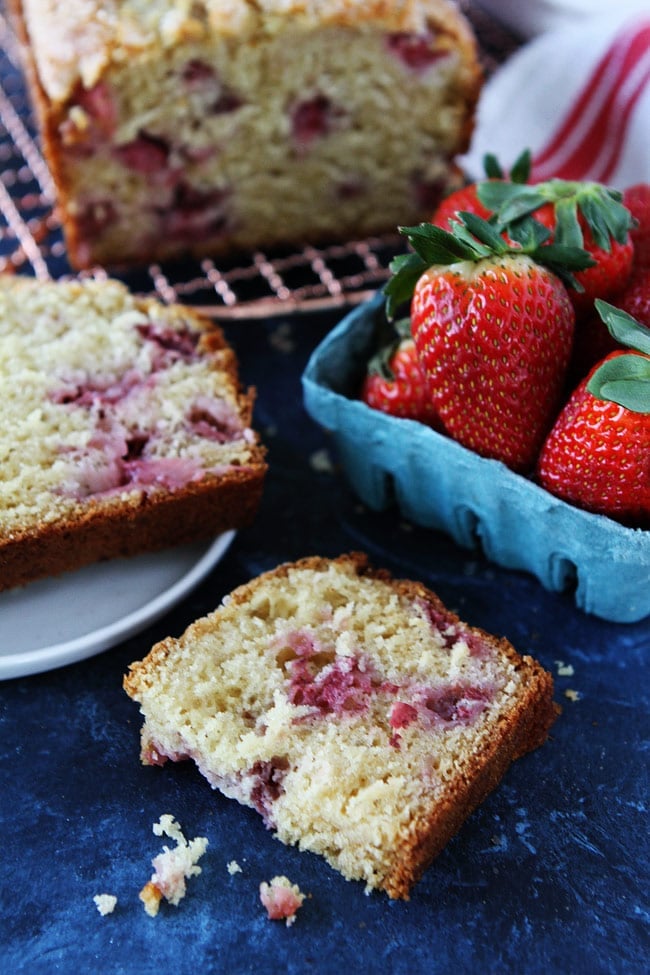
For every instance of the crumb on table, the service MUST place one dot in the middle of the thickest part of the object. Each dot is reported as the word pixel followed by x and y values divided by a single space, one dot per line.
pixel 282 899
pixel 172 867
pixel 105 903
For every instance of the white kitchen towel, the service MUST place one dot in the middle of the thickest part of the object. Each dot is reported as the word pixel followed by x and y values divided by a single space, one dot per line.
pixel 577 96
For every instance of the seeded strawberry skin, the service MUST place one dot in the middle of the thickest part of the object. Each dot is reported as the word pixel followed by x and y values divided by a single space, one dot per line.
pixel 597 457
pixel 406 395
pixel 607 277
pixel 635 300
pixel 494 338
pixel 462 199
pixel 637 199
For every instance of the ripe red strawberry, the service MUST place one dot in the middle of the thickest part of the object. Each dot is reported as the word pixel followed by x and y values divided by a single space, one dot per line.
pixel 637 199
pixel 597 455
pixel 466 198
pixel 611 270
pixel 493 330
pixel 593 341
pixel 635 300
pixel 395 382
pixel 578 214
pixel 463 200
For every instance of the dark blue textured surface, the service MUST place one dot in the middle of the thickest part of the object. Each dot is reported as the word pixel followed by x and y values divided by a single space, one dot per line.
pixel 549 875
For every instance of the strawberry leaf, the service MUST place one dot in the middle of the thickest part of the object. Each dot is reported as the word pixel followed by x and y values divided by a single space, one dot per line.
pixel 437 246
pixel 572 258
pixel 482 231
pixel 509 200
pixel 623 327
pixel 599 206
pixel 623 379
pixel 407 270
pixel 567 228
pixel 492 167
pixel 389 335
pixel 520 172
pixel 529 233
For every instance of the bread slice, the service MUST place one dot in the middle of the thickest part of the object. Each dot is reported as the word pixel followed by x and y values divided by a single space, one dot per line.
pixel 357 714
pixel 124 428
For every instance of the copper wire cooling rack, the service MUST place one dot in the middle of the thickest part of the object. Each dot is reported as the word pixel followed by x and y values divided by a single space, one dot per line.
pixel 264 284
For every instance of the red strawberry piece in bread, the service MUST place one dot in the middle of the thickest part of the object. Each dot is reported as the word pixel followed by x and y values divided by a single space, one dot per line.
pixel 578 214
pixel 637 199
pixel 597 456
pixel 493 328
pixel 395 382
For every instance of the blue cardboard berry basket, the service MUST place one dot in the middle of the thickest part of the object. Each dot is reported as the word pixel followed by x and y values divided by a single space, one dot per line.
pixel 441 485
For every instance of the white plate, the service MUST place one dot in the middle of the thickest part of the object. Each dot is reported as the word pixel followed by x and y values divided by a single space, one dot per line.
pixel 58 621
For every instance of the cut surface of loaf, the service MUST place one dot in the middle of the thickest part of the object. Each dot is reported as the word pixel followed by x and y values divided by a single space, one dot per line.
pixel 125 428
pixel 358 715
pixel 215 127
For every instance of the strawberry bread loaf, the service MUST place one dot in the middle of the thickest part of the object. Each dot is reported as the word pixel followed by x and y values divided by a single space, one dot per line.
pixel 357 714
pixel 125 428
pixel 220 125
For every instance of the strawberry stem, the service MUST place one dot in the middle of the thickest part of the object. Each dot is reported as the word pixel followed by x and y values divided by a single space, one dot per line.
pixel 600 207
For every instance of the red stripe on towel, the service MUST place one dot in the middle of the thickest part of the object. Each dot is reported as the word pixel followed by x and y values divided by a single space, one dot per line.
pixel 590 139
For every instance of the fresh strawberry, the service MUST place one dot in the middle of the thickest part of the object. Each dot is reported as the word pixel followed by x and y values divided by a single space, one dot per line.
pixel 593 341
pixel 597 455
pixel 395 382
pixel 493 330
pixel 635 300
pixel 611 271
pixel 463 200
pixel 637 199
pixel 578 214
pixel 466 198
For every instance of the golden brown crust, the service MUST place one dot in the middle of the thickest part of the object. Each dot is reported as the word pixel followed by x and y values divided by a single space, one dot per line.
pixel 116 529
pixel 80 43
pixel 526 728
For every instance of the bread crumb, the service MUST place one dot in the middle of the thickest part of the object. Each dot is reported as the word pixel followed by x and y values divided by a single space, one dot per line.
pixel 151 897
pixel 564 670
pixel 233 868
pixel 172 867
pixel 572 695
pixel 105 903
pixel 282 899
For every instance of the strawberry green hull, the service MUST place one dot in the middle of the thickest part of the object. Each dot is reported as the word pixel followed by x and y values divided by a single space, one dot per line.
pixel 441 485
